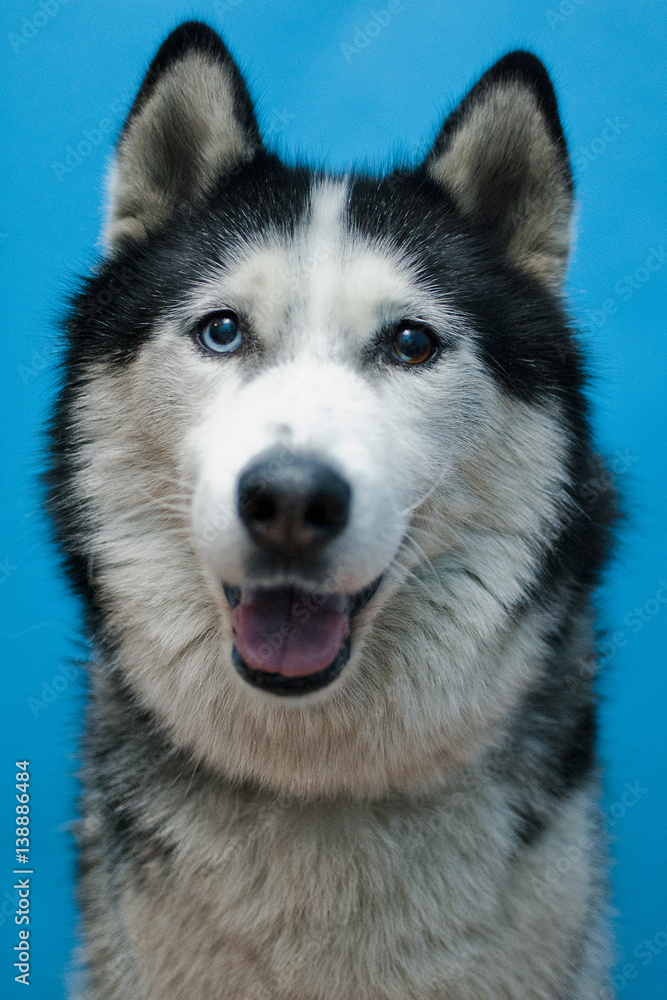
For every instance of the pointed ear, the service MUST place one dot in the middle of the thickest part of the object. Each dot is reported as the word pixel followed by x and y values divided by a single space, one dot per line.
pixel 191 122
pixel 502 156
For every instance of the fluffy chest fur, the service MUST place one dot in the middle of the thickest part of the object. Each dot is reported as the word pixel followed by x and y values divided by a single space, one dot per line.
pixel 336 900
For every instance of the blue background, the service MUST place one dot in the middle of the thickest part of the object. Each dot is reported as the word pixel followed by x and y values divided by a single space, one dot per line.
pixel 327 88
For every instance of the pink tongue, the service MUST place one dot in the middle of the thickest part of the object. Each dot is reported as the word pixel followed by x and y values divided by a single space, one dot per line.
pixel 287 631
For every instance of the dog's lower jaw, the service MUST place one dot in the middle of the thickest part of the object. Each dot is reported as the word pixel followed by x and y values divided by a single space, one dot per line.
pixel 282 686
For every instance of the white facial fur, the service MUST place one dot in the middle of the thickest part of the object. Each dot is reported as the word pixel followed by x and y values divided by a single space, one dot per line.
pixel 316 306
pixel 453 488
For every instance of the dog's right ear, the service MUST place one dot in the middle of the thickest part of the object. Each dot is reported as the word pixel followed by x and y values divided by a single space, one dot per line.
pixel 191 122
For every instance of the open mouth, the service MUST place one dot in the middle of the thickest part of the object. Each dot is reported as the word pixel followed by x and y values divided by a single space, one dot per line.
pixel 289 641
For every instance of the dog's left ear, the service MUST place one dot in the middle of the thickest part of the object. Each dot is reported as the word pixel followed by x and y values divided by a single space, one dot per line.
pixel 191 123
pixel 502 156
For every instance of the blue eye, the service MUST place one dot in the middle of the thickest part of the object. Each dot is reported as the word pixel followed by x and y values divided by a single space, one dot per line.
pixel 413 345
pixel 220 332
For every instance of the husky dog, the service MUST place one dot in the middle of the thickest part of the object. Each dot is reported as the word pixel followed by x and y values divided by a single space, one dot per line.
pixel 322 473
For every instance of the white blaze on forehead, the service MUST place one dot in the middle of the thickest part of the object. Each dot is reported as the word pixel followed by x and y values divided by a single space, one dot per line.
pixel 320 263
pixel 324 289
pixel 273 277
pixel 300 276
pixel 328 204
pixel 348 284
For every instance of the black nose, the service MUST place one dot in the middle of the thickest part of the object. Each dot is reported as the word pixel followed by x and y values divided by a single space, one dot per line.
pixel 292 504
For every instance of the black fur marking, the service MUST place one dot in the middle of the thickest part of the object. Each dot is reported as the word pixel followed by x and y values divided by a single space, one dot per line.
pixel 127 757
pixel 550 750
pixel 577 753
pixel 585 543
pixel 530 824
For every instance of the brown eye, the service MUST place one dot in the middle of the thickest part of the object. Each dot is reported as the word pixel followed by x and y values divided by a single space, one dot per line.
pixel 413 345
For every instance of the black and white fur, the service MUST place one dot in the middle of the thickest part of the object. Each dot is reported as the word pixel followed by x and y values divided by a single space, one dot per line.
pixel 425 825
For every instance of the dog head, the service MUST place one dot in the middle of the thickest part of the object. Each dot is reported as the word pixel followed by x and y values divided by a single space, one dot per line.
pixel 313 458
